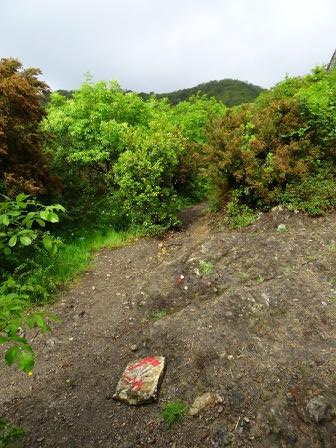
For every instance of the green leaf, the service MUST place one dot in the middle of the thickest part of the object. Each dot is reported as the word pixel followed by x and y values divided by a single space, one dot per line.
pixel 59 207
pixel 40 322
pixel 25 360
pixel 12 241
pixel 53 217
pixel 25 240
pixel 44 215
pixel 3 340
pixel 54 250
pixel 7 251
pixel 29 224
pixel 4 220
pixel 47 243
pixel 21 197
pixel 40 222
pixel 11 354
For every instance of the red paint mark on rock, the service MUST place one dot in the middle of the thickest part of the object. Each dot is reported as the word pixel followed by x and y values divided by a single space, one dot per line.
pixel 144 361
pixel 135 382
pixel 141 380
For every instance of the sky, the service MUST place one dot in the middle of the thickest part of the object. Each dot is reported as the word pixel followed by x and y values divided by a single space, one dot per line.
pixel 164 45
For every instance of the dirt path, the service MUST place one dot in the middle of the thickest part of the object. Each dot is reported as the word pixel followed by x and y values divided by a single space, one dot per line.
pixel 253 320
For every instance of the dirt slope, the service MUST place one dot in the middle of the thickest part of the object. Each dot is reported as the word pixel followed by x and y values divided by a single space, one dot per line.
pixel 253 320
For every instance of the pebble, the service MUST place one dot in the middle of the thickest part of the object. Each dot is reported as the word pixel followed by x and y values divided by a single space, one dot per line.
pixel 134 348
pixel 320 409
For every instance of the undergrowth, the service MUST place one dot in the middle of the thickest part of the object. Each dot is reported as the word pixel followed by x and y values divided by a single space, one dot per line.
pixel 174 412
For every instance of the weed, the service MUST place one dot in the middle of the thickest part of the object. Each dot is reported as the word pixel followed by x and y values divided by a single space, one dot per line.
pixel 244 275
pixel 206 267
pixel 239 215
pixel 174 411
pixel 9 433
pixel 331 247
pixel 158 314
pixel 260 279
pixel 282 228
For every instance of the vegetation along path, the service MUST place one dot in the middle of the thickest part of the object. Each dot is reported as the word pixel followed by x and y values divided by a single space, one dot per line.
pixel 247 314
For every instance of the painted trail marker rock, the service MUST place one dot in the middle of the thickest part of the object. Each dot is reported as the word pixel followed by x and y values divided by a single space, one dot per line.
pixel 141 380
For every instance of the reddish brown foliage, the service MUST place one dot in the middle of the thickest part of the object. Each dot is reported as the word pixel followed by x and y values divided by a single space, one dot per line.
pixel 23 166
pixel 259 150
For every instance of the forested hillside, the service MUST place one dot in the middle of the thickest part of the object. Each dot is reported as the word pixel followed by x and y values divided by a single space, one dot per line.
pixel 231 91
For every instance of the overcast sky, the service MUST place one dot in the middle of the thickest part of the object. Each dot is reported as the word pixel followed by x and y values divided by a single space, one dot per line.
pixel 163 45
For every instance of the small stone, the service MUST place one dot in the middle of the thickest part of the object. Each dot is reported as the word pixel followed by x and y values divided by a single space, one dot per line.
pixel 134 348
pixel 282 228
pixel 108 275
pixel 141 380
pixel 320 409
pixel 40 439
pixel 93 288
pixel 230 357
pixel 207 400
pixel 186 287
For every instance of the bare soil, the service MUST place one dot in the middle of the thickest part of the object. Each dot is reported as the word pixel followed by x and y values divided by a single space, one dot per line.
pixel 252 319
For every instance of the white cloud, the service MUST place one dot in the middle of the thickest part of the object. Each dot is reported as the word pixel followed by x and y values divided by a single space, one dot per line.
pixel 161 45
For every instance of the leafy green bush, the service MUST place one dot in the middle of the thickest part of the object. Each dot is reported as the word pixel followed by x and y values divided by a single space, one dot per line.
pixel 22 223
pixel 314 195
pixel 139 156
pixel 145 176
pixel 14 299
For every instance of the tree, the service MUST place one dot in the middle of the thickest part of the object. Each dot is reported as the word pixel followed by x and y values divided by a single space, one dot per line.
pixel 23 165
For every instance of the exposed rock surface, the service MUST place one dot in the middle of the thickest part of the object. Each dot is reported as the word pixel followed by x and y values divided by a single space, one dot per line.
pixel 249 314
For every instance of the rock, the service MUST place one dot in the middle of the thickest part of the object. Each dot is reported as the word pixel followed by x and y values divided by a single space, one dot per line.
pixel 207 400
pixel 134 348
pixel 141 380
pixel 320 409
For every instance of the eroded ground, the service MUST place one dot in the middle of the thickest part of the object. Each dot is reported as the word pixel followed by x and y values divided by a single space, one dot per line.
pixel 253 320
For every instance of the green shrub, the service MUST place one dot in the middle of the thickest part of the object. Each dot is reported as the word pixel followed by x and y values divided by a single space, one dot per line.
pixel 22 225
pixel 314 195
pixel 237 214
pixel 9 433
pixel 145 175
pixel 174 411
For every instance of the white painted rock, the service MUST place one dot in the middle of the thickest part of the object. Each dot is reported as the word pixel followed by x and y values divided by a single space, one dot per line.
pixel 141 380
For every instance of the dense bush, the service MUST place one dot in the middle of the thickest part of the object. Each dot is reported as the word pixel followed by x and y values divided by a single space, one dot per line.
pixel 265 152
pixel 112 147
pixel 23 165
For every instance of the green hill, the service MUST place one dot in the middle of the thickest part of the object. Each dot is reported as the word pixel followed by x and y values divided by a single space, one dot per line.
pixel 230 91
